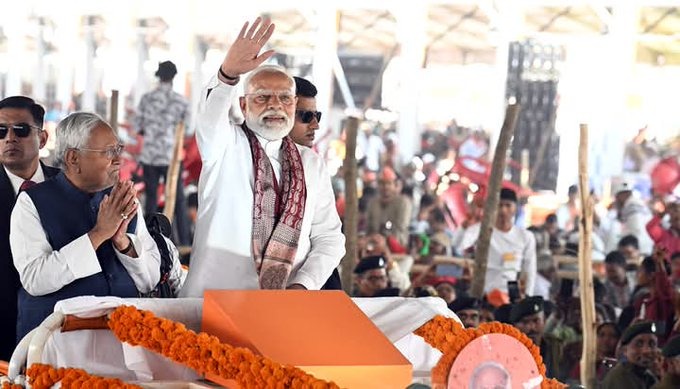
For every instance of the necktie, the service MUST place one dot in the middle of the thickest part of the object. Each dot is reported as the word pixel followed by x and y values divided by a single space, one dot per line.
pixel 25 185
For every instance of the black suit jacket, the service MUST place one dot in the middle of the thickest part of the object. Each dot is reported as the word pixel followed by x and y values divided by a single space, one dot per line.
pixel 9 278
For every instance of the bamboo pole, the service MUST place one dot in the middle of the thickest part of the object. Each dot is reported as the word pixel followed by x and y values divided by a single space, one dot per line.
pixel 172 178
pixel 491 202
pixel 351 220
pixel 113 112
pixel 589 356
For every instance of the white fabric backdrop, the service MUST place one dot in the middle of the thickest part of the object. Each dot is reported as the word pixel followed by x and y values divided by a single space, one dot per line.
pixel 99 352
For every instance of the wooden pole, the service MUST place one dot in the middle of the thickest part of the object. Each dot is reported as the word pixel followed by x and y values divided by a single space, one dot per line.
pixel 172 178
pixel 113 119
pixel 491 202
pixel 589 356
pixel 351 220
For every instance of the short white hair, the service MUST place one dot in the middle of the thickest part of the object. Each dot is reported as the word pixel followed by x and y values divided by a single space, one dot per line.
pixel 73 132
pixel 489 365
pixel 268 69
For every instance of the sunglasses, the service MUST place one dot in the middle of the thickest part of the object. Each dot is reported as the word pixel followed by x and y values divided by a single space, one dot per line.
pixel 307 116
pixel 21 130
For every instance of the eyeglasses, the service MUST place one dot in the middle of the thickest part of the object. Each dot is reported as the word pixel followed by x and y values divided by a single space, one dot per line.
pixel 286 98
pixel 21 130
pixel 307 116
pixel 111 152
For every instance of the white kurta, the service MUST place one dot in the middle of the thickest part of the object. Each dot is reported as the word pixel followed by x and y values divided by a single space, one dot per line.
pixel 43 270
pixel 221 256
pixel 632 219
pixel 510 253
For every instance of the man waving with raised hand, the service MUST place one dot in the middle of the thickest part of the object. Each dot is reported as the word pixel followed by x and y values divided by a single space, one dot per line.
pixel 266 216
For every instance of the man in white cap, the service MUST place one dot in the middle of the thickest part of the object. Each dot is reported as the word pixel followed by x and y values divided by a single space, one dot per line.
pixel 632 216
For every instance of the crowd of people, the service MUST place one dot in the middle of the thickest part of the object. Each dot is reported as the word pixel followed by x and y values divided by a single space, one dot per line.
pixel 636 261
pixel 268 214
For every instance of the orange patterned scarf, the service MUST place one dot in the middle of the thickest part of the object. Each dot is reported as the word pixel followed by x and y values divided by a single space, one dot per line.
pixel 277 212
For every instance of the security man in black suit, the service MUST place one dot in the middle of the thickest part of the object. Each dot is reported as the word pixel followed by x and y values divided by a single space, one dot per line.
pixel 21 137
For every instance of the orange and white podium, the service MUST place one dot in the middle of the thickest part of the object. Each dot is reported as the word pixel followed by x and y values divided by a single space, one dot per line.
pixel 322 332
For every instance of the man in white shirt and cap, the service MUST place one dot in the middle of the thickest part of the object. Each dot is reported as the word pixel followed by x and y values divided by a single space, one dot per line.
pixel 512 250
pixel 266 216
pixel 632 215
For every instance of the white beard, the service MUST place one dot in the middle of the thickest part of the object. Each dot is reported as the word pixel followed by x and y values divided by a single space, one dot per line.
pixel 269 131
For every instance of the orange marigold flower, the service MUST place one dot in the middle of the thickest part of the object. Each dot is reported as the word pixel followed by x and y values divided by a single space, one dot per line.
pixel 45 376
pixel 205 353
pixel 449 337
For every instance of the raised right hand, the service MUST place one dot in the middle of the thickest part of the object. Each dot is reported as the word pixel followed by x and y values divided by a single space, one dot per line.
pixel 244 54
pixel 659 207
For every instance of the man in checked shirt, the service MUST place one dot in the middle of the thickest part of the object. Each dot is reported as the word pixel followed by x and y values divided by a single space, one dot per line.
pixel 159 112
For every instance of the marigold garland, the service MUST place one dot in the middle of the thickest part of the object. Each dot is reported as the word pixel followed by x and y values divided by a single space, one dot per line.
pixel 45 376
pixel 206 354
pixel 440 332
pixel 7 385
pixel 449 337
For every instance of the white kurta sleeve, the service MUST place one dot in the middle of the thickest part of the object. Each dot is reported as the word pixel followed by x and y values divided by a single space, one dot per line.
pixel 635 224
pixel 145 270
pixel 41 269
pixel 529 262
pixel 213 120
pixel 326 239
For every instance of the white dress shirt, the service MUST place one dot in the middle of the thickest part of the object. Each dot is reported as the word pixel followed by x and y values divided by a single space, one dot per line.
pixel 43 270
pixel 222 252
pixel 38 177
pixel 510 253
